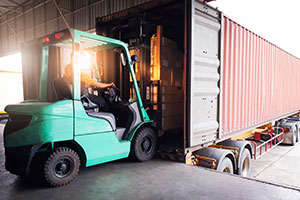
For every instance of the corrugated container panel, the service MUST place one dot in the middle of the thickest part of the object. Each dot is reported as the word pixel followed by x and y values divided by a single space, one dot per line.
pixel 40 30
pixel 260 81
pixel 204 75
pixel 51 11
pixel 29 34
pixel 29 20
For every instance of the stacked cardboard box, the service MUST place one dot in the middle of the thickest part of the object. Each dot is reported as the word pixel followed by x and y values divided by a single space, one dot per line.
pixel 167 66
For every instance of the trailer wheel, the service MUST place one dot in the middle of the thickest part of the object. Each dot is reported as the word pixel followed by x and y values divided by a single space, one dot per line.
pixel 245 165
pixel 226 166
pixel 294 139
pixel 144 145
pixel 61 167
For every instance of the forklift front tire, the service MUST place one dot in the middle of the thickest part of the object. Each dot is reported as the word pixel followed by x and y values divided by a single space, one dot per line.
pixel 61 167
pixel 144 145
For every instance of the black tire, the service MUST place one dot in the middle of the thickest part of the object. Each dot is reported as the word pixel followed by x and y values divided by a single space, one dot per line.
pixel 226 166
pixel 245 165
pixel 294 139
pixel 143 145
pixel 61 167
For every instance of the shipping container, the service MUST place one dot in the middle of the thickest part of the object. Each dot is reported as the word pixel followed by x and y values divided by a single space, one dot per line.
pixel 235 84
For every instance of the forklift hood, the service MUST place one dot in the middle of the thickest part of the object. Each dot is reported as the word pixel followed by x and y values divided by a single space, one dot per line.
pixel 26 108
pixel 38 123
pixel 45 108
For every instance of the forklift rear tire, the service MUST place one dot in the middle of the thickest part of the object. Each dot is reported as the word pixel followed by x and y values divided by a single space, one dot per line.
pixel 144 145
pixel 61 167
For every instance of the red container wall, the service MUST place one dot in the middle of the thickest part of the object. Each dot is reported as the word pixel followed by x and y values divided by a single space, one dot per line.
pixel 260 82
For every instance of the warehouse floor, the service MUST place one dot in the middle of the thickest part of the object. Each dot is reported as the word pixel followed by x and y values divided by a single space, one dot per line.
pixel 280 165
pixel 157 179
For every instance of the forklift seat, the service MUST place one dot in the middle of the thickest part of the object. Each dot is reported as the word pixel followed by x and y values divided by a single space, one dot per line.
pixel 62 88
pixel 104 115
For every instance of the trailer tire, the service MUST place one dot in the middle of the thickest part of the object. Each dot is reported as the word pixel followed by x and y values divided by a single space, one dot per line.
pixel 144 144
pixel 61 167
pixel 245 165
pixel 294 139
pixel 226 166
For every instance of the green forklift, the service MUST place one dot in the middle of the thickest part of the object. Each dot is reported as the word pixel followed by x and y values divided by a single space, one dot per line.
pixel 54 135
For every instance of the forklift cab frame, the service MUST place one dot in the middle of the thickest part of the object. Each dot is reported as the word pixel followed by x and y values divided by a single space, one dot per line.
pixel 79 41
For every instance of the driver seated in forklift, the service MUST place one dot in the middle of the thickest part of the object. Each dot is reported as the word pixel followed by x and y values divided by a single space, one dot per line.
pixel 122 115
pixel 86 82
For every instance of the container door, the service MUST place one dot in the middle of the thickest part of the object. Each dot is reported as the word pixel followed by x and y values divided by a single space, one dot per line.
pixel 203 74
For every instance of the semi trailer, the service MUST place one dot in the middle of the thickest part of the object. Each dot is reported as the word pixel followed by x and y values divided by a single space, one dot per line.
pixel 233 94
pixel 211 92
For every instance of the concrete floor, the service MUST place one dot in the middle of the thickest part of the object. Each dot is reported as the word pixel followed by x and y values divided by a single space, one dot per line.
pixel 280 165
pixel 157 179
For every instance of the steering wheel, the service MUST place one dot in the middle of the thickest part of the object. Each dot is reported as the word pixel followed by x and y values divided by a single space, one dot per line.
pixel 112 94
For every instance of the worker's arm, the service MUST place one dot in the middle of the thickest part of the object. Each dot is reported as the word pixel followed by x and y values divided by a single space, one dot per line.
pixel 102 85
pixel 85 77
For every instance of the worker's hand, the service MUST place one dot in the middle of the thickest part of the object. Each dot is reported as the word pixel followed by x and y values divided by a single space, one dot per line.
pixel 112 84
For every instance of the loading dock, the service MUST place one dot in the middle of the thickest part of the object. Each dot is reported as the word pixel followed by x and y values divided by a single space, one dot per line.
pixel 152 180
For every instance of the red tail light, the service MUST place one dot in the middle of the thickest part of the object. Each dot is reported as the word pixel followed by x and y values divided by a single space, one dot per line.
pixel 286 129
pixel 46 39
pixel 57 36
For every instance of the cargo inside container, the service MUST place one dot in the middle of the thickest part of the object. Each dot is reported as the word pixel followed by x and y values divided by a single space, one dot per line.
pixel 158 42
